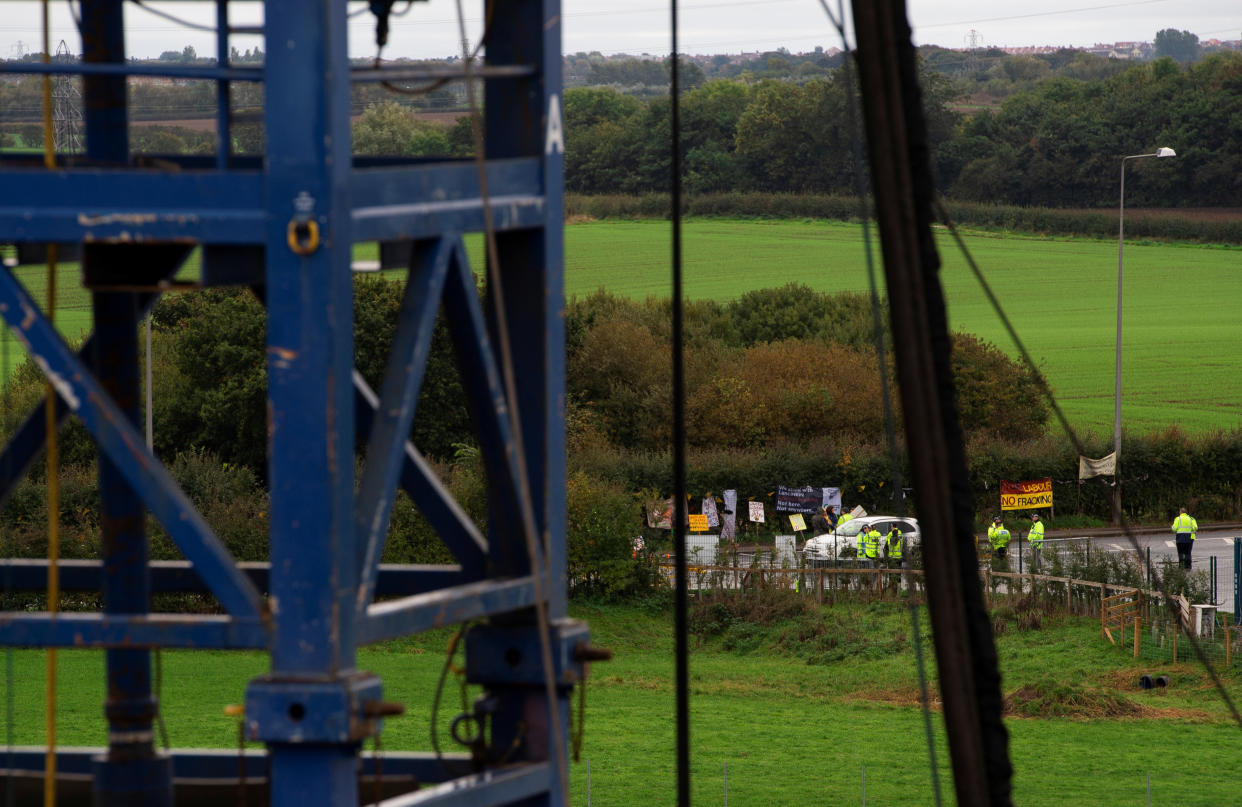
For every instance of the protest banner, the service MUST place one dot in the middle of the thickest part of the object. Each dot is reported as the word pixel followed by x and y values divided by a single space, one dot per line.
pixel 1029 495
pixel 798 500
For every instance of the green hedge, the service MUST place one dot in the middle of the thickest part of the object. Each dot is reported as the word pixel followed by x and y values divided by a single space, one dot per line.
pixel 1166 226
pixel 1160 472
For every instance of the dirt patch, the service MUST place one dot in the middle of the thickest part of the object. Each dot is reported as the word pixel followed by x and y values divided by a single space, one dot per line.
pixel 895 697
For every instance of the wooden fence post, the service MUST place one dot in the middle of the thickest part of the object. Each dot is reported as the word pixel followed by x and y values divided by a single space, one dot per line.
pixel 1103 626
pixel 1137 630
pixel 1177 628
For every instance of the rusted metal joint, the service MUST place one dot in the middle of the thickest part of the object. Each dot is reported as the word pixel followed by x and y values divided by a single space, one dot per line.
pixel 588 652
pixel 382 709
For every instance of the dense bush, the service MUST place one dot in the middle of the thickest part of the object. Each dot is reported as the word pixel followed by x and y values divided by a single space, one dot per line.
pixel 813 375
pixel 603 521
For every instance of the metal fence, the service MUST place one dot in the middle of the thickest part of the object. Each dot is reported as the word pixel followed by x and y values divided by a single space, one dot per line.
pixel 1157 640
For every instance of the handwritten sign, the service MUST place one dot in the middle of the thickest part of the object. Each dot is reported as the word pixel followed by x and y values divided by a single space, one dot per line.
pixel 698 522
pixel 756 511
pixel 796 522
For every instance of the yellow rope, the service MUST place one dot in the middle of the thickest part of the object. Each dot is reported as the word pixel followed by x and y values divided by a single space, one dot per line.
pixel 53 450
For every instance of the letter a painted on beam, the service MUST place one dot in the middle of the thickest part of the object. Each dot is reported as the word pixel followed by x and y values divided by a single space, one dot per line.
pixel 555 140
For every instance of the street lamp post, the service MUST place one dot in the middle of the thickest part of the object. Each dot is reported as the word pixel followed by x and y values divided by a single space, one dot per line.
pixel 1121 240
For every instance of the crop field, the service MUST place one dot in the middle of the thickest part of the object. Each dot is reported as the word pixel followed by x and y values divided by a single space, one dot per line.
pixel 1181 324
pixel 1181 320
pixel 794 717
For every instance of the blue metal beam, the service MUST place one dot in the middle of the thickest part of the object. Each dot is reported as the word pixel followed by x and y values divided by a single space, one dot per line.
pixel 151 630
pixel 422 201
pixel 485 395
pixel 118 438
pixel 403 379
pixel 224 765
pixel 128 206
pixel 395 579
pixel 505 786
pixel 421 612
pixel 430 496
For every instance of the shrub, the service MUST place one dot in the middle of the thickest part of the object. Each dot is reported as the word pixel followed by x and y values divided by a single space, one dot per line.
pixel 603 521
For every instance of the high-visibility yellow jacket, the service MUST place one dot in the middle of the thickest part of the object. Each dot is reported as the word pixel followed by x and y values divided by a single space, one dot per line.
pixel 1184 523
pixel 998 537
pixel 894 543
pixel 1036 535
pixel 871 542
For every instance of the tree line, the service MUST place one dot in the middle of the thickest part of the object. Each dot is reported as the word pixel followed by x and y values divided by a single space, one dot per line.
pixel 1058 144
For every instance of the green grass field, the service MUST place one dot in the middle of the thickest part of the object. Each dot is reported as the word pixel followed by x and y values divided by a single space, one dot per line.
pixel 791 732
pixel 1181 302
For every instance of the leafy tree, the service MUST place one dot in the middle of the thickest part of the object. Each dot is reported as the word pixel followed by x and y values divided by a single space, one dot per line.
pixel 216 395
pixel 1180 46
pixel 386 128
pixel 997 397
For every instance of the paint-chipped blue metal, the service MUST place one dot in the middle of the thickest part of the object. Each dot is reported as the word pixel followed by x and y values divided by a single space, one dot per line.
pixel 280 710
pixel 133 206
pixel 143 781
pixel 74 629
pixel 325 539
pixel 434 501
pixel 484 789
pixel 161 71
pixel 449 606
pixel 511 656
pixel 395 579
pixel 121 441
pixel 481 379
pixel 403 379
pixel 222 764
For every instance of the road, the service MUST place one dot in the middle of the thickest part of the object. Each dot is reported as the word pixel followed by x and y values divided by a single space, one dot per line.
pixel 1217 543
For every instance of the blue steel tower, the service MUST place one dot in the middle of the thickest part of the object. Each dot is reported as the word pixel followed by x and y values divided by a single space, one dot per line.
pixel 285 224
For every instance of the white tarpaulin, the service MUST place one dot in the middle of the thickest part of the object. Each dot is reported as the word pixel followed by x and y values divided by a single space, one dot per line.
pixel 1104 466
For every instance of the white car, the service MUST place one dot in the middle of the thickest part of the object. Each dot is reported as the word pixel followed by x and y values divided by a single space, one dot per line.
pixel 824 550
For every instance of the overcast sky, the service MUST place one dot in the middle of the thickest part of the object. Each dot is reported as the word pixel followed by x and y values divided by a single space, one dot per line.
pixel 707 26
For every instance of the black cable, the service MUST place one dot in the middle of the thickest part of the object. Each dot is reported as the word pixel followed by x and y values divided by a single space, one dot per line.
pixel 10 704
pixel 172 18
pixel 890 425
pixel 679 438
pixel 1046 392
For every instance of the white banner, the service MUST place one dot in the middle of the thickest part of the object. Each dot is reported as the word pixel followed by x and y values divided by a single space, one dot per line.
pixel 1104 466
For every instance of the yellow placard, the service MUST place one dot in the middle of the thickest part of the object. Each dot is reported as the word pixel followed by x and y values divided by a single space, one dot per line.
pixel 1029 495
pixel 698 523
pixel 796 522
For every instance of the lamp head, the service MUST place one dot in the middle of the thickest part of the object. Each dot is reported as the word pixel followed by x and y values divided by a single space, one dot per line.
pixel 1164 151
